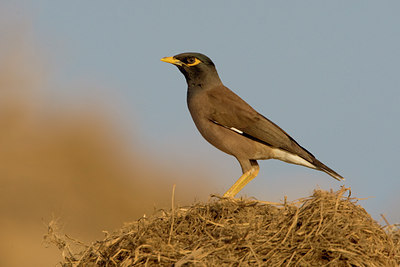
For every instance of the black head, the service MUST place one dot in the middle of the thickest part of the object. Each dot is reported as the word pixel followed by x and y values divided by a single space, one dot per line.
pixel 197 68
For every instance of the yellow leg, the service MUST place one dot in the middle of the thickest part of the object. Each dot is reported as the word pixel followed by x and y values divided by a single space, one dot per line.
pixel 242 181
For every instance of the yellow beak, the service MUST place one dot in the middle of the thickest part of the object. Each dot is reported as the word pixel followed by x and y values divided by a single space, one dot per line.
pixel 172 60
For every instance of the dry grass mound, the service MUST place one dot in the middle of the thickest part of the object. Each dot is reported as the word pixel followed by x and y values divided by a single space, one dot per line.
pixel 327 228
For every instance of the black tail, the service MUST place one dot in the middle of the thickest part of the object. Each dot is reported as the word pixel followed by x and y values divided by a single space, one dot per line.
pixel 322 167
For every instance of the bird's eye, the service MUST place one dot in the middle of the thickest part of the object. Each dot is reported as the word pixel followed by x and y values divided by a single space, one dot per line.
pixel 191 60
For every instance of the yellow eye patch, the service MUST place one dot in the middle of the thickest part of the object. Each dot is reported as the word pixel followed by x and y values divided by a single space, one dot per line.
pixel 196 62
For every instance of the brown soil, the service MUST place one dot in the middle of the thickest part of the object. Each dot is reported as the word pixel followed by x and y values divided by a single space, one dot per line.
pixel 325 229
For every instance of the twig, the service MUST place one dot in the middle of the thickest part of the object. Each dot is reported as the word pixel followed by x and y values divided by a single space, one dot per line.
pixel 384 218
pixel 173 214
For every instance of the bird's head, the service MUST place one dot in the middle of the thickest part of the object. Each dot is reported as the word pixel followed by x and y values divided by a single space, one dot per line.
pixel 197 68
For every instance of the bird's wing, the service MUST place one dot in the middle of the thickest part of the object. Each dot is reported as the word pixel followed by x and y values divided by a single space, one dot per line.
pixel 230 111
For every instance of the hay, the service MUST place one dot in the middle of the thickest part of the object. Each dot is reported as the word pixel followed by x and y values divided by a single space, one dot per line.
pixel 327 228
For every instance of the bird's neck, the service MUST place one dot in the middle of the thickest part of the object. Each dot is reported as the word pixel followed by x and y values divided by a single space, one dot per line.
pixel 201 81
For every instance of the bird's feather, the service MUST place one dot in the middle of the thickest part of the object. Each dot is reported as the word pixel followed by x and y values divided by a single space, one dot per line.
pixel 232 112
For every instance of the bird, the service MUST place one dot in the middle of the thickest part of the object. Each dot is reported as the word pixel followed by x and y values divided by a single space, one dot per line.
pixel 230 124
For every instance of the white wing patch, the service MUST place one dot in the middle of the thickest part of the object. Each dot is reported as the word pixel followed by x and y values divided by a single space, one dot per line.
pixel 230 128
pixel 236 130
pixel 291 158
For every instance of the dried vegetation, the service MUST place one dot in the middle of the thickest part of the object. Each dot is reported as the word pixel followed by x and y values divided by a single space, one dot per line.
pixel 325 229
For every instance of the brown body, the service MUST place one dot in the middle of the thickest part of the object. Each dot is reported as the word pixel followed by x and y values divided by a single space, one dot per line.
pixel 202 109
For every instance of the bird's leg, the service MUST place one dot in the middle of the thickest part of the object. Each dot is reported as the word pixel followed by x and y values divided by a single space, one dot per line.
pixel 243 180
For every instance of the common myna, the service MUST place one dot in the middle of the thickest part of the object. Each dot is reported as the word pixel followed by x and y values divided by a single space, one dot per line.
pixel 233 126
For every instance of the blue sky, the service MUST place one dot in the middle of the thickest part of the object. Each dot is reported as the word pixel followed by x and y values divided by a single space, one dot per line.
pixel 326 72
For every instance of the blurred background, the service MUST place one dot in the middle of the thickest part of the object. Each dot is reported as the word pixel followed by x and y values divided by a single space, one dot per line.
pixel 94 129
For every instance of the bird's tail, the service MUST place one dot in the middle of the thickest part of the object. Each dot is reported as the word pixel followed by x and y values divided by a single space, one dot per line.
pixel 322 167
